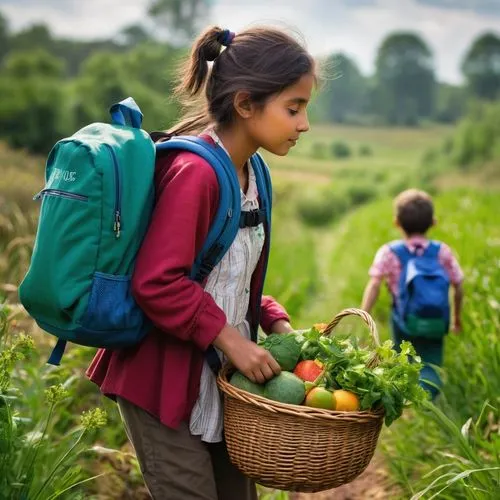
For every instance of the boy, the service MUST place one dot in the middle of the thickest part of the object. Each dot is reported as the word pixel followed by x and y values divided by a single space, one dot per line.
pixel 418 273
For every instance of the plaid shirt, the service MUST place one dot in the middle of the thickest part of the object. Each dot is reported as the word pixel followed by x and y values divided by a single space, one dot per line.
pixel 386 266
pixel 229 285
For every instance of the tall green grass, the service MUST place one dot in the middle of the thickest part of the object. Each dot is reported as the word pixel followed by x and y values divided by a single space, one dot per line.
pixel 39 452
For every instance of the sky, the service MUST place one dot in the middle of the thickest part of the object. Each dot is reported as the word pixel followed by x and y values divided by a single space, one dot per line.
pixel 355 27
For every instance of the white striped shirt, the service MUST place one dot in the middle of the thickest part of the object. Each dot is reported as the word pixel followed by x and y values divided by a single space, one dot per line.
pixel 229 285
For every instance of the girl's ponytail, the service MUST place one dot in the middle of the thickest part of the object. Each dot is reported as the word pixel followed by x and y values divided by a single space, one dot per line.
pixel 194 75
pixel 206 48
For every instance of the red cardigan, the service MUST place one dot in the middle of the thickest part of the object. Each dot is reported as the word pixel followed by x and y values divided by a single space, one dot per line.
pixel 162 373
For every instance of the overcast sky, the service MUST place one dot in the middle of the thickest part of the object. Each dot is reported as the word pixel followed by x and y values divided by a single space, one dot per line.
pixel 355 27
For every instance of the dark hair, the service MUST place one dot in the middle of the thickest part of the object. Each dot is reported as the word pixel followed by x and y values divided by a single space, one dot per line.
pixel 262 61
pixel 414 211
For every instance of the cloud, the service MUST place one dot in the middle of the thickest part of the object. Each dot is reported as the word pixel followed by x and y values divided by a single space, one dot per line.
pixel 75 18
pixel 491 7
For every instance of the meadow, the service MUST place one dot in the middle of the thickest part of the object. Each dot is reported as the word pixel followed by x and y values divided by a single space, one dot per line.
pixel 332 212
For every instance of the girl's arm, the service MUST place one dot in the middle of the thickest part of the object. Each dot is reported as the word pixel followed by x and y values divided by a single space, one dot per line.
pixel 187 195
pixel 273 316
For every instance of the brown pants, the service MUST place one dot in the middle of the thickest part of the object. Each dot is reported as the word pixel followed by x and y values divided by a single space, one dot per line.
pixel 179 466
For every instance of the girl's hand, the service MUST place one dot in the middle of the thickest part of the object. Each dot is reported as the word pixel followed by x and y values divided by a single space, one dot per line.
pixel 253 361
pixel 281 326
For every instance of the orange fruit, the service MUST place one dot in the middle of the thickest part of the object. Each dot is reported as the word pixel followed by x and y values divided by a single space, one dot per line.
pixel 308 370
pixel 320 326
pixel 319 397
pixel 346 401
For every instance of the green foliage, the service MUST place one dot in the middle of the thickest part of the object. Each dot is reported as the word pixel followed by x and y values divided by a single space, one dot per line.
pixel 179 19
pixel 319 208
pixel 450 103
pixel 340 149
pixel 36 461
pixel 365 150
pixel 4 36
pixel 360 194
pixel 481 67
pixel 475 140
pixel 405 83
pixel 31 117
pixel 345 93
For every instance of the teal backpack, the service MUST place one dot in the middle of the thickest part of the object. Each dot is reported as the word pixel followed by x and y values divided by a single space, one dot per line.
pixel 95 210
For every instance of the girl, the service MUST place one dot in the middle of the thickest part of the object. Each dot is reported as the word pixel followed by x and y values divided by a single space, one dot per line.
pixel 255 96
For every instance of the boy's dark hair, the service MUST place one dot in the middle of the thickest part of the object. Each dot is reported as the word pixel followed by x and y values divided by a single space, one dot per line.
pixel 261 61
pixel 414 211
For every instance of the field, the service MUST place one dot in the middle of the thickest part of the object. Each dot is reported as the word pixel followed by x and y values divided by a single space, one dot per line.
pixel 332 212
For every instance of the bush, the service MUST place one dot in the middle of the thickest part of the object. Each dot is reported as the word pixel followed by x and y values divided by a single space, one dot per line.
pixel 37 461
pixel 365 150
pixel 341 149
pixel 359 194
pixel 399 185
pixel 429 157
pixel 379 176
pixel 319 209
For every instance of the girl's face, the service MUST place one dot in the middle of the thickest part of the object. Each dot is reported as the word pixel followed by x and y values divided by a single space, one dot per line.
pixel 278 125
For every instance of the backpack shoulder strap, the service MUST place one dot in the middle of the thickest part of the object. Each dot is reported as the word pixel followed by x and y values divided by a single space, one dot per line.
pixel 432 250
pixel 264 186
pixel 226 222
pixel 401 251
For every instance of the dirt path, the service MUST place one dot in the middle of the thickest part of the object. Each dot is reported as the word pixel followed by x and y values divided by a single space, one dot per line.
pixel 373 484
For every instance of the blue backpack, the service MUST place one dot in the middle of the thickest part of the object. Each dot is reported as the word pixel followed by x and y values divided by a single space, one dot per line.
pixel 93 218
pixel 423 307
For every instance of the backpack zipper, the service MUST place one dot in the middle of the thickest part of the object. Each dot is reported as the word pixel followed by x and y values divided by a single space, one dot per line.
pixel 118 193
pixel 61 194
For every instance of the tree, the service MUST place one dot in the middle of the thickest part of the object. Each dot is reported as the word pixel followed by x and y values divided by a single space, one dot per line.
pixel 35 36
pixel 134 34
pixel 33 63
pixel 450 103
pixel 31 114
pixel 105 79
pixel 405 82
pixel 481 67
pixel 179 19
pixel 344 95
pixel 4 36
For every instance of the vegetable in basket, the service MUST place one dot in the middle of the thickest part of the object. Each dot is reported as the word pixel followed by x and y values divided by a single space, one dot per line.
pixel 381 378
pixel 284 348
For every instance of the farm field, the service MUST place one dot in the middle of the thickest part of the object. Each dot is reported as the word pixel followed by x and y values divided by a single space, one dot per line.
pixel 333 210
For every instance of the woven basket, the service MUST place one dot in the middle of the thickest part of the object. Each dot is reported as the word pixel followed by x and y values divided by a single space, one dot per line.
pixel 298 448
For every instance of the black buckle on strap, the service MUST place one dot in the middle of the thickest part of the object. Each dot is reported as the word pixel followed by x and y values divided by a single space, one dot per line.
pixel 252 218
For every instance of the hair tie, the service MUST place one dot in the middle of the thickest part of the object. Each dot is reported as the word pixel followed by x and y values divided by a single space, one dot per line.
pixel 225 37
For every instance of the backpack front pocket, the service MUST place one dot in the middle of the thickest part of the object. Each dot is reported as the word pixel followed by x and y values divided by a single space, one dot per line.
pixel 112 314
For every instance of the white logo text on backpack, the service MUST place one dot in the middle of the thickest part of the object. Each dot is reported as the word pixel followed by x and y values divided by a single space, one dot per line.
pixel 65 175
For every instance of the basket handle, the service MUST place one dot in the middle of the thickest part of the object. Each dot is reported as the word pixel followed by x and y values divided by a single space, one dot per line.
pixel 355 312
